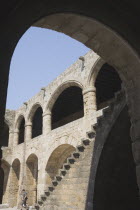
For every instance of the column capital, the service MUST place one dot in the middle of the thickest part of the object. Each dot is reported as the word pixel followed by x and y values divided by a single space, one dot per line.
pixel 28 124
pixel 89 89
pixel 11 131
pixel 16 130
pixel 46 113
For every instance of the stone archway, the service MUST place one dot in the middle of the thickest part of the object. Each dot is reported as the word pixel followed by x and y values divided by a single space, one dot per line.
pixel 56 161
pixel 14 183
pixel 31 178
pixel 111 47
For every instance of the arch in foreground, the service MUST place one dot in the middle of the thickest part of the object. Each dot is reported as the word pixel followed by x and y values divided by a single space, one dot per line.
pixel 111 47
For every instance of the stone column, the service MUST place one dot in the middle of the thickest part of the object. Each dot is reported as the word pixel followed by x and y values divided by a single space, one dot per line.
pixel 11 138
pixel 46 122
pixel 16 136
pixel 28 131
pixel 89 97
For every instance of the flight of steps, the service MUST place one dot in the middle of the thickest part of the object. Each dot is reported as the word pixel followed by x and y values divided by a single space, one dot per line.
pixel 69 188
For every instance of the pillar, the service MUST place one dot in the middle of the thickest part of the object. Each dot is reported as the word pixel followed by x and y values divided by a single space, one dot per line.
pixel 16 135
pixel 11 138
pixel 28 131
pixel 89 97
pixel 46 122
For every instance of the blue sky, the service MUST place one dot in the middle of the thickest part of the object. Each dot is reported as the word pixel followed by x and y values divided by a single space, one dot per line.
pixel 40 56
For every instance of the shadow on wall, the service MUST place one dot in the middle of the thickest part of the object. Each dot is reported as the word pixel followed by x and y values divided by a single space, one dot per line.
pixel 115 184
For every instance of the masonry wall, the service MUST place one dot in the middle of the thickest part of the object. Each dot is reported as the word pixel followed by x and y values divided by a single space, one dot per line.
pixel 44 145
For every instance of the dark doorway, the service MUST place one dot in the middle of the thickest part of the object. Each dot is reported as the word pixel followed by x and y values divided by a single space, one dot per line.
pixel 107 84
pixel 37 123
pixel 115 183
pixel 68 107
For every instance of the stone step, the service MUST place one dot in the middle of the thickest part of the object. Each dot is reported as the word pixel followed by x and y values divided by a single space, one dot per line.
pixel 80 148
pixel 76 154
pixel 71 160
pixel 43 197
pixel 86 142
pixel 47 193
pixel 62 172
pixel 54 182
pixel 66 166
pixel 91 134
pixel 51 188
pixel 58 178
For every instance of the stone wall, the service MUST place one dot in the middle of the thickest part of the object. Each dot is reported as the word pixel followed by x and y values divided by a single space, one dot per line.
pixel 43 146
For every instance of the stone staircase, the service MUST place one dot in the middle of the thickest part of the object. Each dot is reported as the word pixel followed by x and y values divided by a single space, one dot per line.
pixel 69 188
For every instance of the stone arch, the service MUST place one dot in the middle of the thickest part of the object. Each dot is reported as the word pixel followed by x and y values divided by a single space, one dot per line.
pixel 115 180
pixel 32 111
pixel 36 118
pixel 68 105
pixel 56 160
pixel 18 120
pixel 14 183
pixel 20 128
pixel 4 181
pixel 59 90
pixel 94 72
pixel 31 178
pixel 107 84
pixel 111 47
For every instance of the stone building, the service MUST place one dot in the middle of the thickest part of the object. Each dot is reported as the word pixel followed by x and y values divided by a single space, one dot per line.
pixel 72 141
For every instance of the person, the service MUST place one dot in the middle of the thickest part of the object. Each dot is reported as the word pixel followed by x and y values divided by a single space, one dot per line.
pixel 23 198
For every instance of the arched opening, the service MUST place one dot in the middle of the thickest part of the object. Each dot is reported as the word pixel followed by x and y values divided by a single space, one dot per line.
pixel 37 122
pixel 107 84
pixel 21 131
pixel 14 183
pixel 115 183
pixel 57 159
pixel 68 107
pixel 1 184
pixel 31 178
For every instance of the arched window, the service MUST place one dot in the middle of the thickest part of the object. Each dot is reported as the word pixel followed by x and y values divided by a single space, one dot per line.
pixel 37 122
pixel 68 107
pixel 107 84
pixel 21 131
